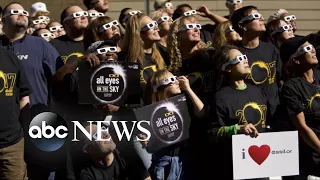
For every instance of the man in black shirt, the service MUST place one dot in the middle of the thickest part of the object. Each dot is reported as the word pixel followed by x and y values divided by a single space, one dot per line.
pixel 14 102
pixel 107 161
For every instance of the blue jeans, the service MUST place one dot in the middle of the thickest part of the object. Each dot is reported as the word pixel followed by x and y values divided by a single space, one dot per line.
pixel 159 164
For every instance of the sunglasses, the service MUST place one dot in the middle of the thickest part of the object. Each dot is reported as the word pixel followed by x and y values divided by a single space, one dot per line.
pixel 189 13
pixel 44 35
pixel 251 17
pixel 131 13
pixel 76 15
pixel 106 50
pixel 94 138
pixel 169 5
pixel 93 15
pixel 55 28
pixel 302 51
pixel 289 18
pixel 281 29
pixel 44 18
pixel 234 1
pixel 164 19
pixel 17 11
pixel 39 21
pixel 236 60
pixel 229 29
pixel 165 82
pixel 190 26
pixel 109 25
pixel 149 26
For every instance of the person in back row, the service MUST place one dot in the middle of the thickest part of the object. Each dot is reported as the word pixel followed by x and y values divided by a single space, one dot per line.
pixel 263 58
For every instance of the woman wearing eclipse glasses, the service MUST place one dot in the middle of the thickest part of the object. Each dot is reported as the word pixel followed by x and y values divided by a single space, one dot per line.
pixel 240 108
pixel 171 162
pixel 300 96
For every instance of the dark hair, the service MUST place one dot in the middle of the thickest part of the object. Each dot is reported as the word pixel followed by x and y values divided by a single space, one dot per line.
pixel 36 32
pixel 122 16
pixel 178 12
pixel 0 10
pixel 238 15
pixel 220 57
pixel 64 14
pixel 6 7
pixel 275 38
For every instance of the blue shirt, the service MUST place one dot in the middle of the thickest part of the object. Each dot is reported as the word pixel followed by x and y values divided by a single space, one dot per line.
pixel 38 58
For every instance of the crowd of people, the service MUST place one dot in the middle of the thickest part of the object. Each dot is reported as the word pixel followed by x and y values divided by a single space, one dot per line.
pixel 228 69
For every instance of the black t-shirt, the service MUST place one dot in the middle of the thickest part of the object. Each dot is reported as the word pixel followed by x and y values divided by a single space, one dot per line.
pixel 68 49
pixel 299 95
pixel 266 65
pixel 13 86
pixel 240 107
pixel 164 53
pixel 122 168
pixel 206 33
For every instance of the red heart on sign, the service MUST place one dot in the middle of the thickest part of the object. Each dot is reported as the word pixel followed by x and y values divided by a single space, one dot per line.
pixel 259 155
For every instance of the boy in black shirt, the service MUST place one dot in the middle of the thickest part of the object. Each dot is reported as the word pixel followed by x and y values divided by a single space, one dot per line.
pixel 14 101
pixel 107 162
pixel 263 58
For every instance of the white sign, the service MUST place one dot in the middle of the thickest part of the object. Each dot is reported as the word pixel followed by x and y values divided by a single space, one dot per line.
pixel 268 155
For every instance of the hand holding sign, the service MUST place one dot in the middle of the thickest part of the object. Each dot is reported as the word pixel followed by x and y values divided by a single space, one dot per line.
pixel 249 129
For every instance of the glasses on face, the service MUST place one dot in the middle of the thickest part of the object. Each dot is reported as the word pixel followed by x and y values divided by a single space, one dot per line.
pixel 44 35
pixel 94 138
pixel 168 5
pixel 234 1
pixel 302 51
pixel 76 15
pixel 229 29
pixel 109 25
pixel 39 21
pixel 251 17
pixel 17 11
pixel 170 80
pixel 149 26
pixel 190 26
pixel 93 15
pixel 55 28
pixel 164 19
pixel 236 60
pixel 290 18
pixel 281 29
pixel 46 18
pixel 189 13
pixel 131 13
pixel 106 50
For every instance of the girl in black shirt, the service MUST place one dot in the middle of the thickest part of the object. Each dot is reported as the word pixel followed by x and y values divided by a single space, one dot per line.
pixel 240 108
pixel 168 163
pixel 300 96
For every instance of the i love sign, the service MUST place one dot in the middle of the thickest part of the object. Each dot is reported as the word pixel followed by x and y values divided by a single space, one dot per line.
pixel 268 155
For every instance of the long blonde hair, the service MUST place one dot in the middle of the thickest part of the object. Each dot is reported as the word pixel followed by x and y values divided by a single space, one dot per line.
pixel 173 43
pixel 133 44
pixel 156 79
pixel 219 36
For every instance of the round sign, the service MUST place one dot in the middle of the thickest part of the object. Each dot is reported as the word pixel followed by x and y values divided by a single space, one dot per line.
pixel 108 83
pixel 167 123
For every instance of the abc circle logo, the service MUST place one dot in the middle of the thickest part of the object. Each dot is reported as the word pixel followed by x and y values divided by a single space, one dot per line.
pixel 48 131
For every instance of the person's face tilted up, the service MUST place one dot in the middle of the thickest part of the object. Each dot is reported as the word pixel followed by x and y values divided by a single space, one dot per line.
pixel 111 31
pixel 93 14
pixel 15 18
pixel 237 65
pixel 56 28
pixel 233 5
pixel 38 24
pixel 232 36
pixel 101 6
pixel 45 34
pixel 98 149
pixel 189 32
pixel 279 31
pixel 305 57
pixel 76 19
pixel 107 53
pixel 164 21
pixel 149 30
pixel 290 19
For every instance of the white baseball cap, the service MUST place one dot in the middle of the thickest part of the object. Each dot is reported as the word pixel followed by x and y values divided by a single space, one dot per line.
pixel 38 7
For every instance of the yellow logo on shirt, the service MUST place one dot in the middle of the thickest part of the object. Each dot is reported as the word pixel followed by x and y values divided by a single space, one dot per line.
pixel 144 71
pixel 253 107
pixel 7 82
pixel 65 58
pixel 314 97
pixel 269 68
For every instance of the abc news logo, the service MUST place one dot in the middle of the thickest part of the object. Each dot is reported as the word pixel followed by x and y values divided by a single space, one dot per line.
pixel 48 131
